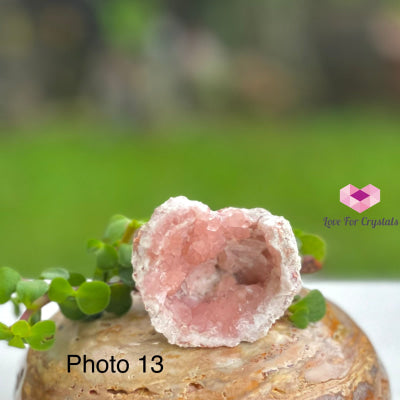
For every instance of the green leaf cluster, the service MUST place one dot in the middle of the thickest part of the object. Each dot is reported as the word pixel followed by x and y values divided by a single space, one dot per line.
pixel 112 282
pixel 309 244
pixel 78 298
pixel 114 252
pixel 40 336
pixel 310 308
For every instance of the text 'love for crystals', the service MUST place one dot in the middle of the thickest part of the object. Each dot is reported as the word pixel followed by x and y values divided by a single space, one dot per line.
pixel 364 221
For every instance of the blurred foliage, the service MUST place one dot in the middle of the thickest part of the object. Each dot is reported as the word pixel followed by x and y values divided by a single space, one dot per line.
pixel 62 181
pixel 151 60
pixel 125 22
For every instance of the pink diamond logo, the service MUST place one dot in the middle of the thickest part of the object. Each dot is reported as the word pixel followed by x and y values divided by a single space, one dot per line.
pixel 360 199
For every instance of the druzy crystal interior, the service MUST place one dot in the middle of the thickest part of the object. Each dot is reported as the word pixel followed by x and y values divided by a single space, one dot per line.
pixel 215 278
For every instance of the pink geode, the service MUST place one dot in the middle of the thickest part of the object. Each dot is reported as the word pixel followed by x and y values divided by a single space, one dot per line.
pixel 215 278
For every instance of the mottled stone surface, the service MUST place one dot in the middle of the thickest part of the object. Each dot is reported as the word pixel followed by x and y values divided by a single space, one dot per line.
pixel 330 360
pixel 215 278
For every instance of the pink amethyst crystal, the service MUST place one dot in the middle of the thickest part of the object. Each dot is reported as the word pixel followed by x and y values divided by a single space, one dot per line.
pixel 215 278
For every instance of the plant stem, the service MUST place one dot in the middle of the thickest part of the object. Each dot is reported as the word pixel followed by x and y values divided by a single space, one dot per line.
pixel 36 305
pixel 130 230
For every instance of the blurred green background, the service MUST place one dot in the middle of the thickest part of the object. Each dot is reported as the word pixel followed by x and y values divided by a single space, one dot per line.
pixel 113 107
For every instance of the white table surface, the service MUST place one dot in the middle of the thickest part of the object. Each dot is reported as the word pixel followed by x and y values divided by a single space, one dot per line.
pixel 375 306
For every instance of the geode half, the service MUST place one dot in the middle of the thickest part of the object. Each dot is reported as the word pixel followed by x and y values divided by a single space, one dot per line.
pixel 215 278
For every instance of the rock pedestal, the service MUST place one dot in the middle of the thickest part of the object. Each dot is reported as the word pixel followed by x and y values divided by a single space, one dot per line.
pixel 330 360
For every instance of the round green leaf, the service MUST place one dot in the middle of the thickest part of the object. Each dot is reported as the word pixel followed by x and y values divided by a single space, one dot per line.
pixel 125 274
pixel 107 257
pixel 94 245
pixel 121 300
pixel 312 245
pixel 8 283
pixel 21 329
pixel 76 279
pixel 300 317
pixel 29 291
pixel 55 272
pixel 59 290
pixel 116 228
pixel 42 335
pixel 16 341
pixel 125 255
pixel 117 217
pixel 316 305
pixel 70 309
pixel 93 297
pixel 5 332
